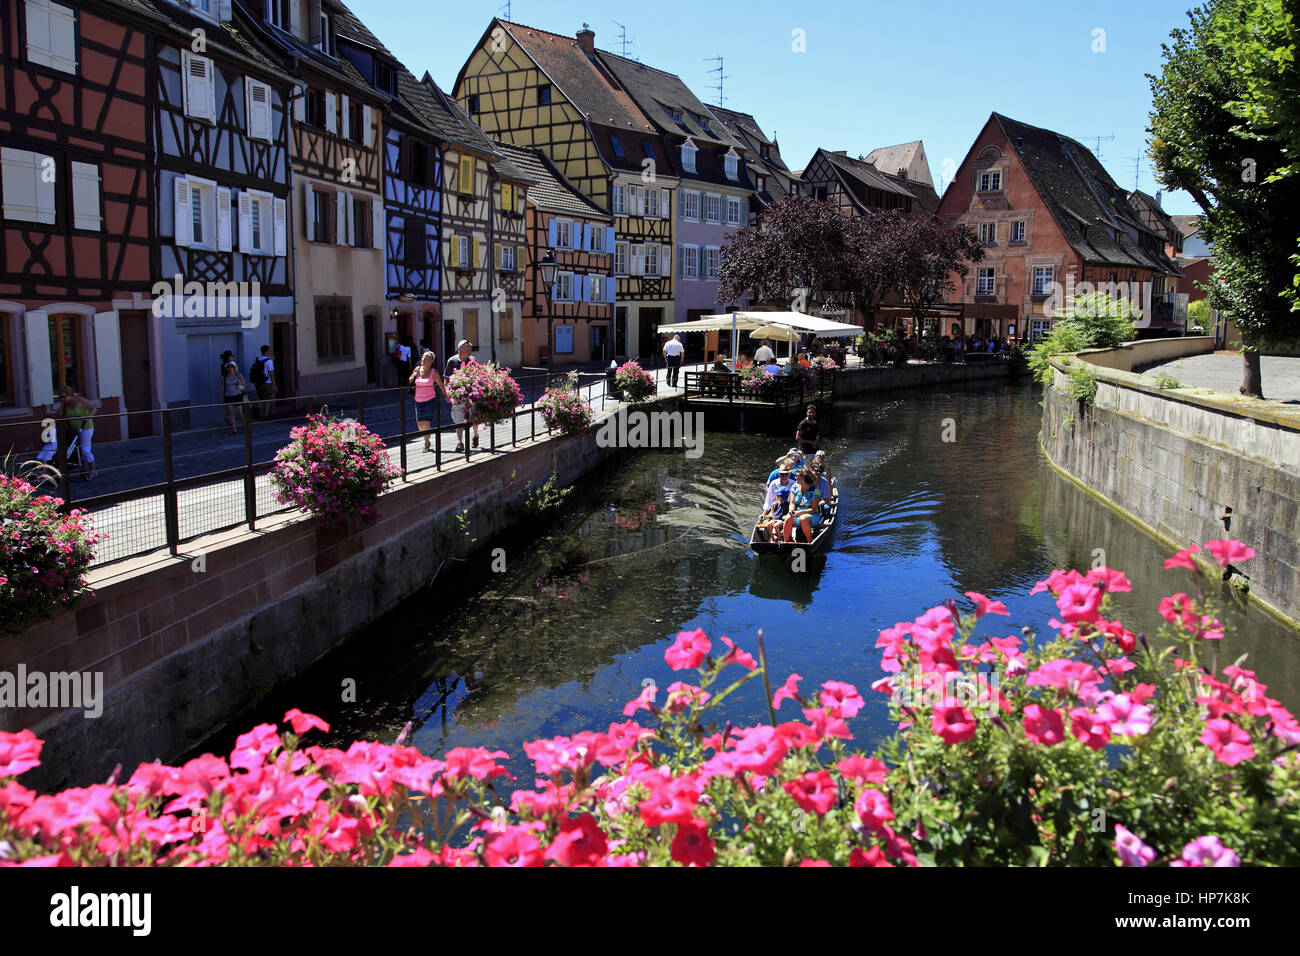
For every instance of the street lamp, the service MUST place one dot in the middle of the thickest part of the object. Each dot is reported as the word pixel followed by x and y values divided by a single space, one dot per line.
pixel 546 270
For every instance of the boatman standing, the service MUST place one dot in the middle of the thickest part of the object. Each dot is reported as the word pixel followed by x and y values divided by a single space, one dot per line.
pixel 808 434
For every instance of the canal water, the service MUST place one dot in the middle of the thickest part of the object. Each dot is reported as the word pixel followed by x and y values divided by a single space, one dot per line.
pixel 580 619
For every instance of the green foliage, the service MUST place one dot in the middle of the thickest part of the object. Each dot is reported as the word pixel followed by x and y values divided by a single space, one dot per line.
pixel 1063 339
pixel 1199 316
pixel 1093 320
pixel 542 498
pixel 1082 386
pixel 1165 380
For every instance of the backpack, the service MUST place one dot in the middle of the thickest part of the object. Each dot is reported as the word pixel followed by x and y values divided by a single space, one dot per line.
pixel 257 372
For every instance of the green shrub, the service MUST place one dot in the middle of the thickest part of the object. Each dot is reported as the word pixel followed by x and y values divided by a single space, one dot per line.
pixel 1165 380
pixel 1082 386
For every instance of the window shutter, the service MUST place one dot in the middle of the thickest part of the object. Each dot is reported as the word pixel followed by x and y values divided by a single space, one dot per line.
pixel 453 252
pixel 313 25
pixel 665 203
pixel 246 222
pixel 367 134
pixel 331 113
pixel 309 211
pixel 184 230
pixel 665 260
pixel 681 262
pixel 474 259
pixel 51 35
pixel 609 239
pixel 379 224
pixel 341 218
pixel 85 196
pixel 552 231
pixel 198 92
pixel 299 93
pixel 681 204
pixel 610 288
pixel 108 354
pixel 295 18
pixel 346 113
pixel 223 10
pixel 521 258
pixel 350 207
pixel 496 255
pixel 40 380
pixel 26 194
pixel 280 213
pixel 223 220
pixel 258 96
pixel 702 262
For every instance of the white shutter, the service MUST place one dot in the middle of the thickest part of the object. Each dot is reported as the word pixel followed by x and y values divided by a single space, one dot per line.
pixel 184 225
pixel 39 378
pixel 224 240
pixel 665 204
pixel 246 222
pixel 331 113
pixel 309 212
pixel 258 106
pixel 665 260
pixel 637 266
pixel 85 197
pixel 346 113
pixel 299 95
pixel 281 214
pixel 367 134
pixel 108 354
pixel 341 217
pixel 199 87
pixel 379 226
pixel 27 195
pixel 295 18
pixel 51 35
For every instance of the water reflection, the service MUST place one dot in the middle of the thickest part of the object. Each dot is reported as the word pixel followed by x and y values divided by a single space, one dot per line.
pixel 563 639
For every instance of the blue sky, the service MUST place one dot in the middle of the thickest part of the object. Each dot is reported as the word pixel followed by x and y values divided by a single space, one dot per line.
pixel 871 74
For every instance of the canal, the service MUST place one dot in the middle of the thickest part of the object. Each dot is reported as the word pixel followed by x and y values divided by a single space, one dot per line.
pixel 580 618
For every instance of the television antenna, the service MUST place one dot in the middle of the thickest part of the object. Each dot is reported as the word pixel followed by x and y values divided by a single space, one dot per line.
pixel 1137 171
pixel 1096 150
pixel 721 76
pixel 623 41
pixel 506 7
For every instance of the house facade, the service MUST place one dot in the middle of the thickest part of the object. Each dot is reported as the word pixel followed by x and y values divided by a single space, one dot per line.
pixel 76 207
pixel 1051 219
pixel 221 129
pixel 563 222
pixel 772 179
pixel 339 222
pixel 541 90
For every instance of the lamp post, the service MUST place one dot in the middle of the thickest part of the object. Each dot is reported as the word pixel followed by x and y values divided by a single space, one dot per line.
pixel 546 270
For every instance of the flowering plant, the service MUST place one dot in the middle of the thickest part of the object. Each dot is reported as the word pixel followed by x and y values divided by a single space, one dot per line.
pixel 1016 769
pixel 44 553
pixel 487 392
pixel 564 409
pixel 332 469
pixel 634 382
pixel 825 363
pixel 757 381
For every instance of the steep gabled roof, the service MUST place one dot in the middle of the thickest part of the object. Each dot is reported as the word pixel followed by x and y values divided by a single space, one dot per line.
pixel 585 82
pixel 660 93
pixel 858 176
pixel 1143 202
pixel 234 35
pixel 550 190
pixel 890 159
pixel 1187 225
pixel 1091 211
pixel 743 126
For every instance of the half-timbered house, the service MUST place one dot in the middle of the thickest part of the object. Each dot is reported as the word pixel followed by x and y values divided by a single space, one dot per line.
pixel 1051 219
pixel 580 236
pixel 335 142
pixel 537 89
pixel 773 180
pixel 221 128
pixel 853 186
pixel 75 206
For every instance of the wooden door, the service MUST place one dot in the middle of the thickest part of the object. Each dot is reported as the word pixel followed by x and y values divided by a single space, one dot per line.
pixel 137 374
pixel 285 347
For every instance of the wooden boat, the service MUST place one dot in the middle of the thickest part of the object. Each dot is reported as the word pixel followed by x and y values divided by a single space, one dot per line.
pixel 821 534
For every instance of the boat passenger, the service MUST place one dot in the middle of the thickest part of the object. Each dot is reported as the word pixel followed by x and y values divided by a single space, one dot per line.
pixel 794 455
pixel 818 467
pixel 805 508
pixel 776 504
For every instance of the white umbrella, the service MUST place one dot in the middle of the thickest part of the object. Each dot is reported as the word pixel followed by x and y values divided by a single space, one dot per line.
pixel 778 333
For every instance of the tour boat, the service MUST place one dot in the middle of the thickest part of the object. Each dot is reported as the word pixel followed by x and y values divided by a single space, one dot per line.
pixel 821 534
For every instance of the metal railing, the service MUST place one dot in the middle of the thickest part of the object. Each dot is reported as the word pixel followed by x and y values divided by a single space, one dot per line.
pixel 783 393
pixel 174 483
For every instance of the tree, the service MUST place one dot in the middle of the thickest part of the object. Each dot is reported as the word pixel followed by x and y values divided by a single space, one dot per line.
pixel 874 262
pixel 798 243
pixel 928 252
pixel 1225 127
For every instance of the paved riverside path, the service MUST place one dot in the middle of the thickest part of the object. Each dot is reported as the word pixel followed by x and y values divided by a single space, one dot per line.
pixel 1222 371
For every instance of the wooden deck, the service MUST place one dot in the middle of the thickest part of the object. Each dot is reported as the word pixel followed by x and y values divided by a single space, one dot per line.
pixel 723 390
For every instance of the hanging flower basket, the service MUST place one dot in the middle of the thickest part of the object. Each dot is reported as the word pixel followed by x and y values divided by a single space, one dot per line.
pixel 487 393
pixel 564 410
pixel 634 382
pixel 333 469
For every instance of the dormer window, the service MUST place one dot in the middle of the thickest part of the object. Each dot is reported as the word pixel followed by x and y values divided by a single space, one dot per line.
pixel 649 148
pixel 731 163
pixel 616 145
pixel 688 156
pixel 765 151
pixel 990 181
pixel 324 39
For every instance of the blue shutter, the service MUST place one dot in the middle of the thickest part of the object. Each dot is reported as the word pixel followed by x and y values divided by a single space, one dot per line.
pixel 584 288
pixel 551 232
pixel 611 287
pixel 681 262
pixel 609 239
pixel 555 291
pixel 586 237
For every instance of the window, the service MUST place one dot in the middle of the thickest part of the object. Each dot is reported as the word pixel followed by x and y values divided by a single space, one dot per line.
pixel 465 181
pixel 1042 279
pixel 712 208
pixel 471 326
pixel 690 205
pixel 713 259
pixel 688 261
pixel 636 200
pixel 51 35
pixel 616 145
pixel 1038 329
pixel 416 169
pixel 819 193
pixel 66 356
pixel 731 162
pixel 649 149
pixel 620 199
pixel 760 183
pixel 199 92
pixel 688 156
pixel 361 227
pixel 27 180
pixel 988 232
pixel 651 259
pixel 733 211
pixel 598 238
pixel 620 258
pixel 508 262
pixel 257 223
pixel 984 282
pixel 315 108
pixel 597 293
pixel 704 124
pixel 199 197
pixel 258 108
pixel 564 287
pixel 473 105
pixel 413 244
pixel 325 36
pixel 544 95
pixel 323 207
pixel 385 77
pixel 1018 231
pixel 333 329
pixel 678 118
pixel 506 325
pixel 563 234
pixel 990 181
pixel 464 248
pixel 277 13
pixel 357 123
pixel 652 202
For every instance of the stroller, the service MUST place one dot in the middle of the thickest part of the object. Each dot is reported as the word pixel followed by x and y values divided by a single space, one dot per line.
pixel 73 463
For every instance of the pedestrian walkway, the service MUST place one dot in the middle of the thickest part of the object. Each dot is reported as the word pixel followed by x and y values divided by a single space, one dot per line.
pixel 1222 371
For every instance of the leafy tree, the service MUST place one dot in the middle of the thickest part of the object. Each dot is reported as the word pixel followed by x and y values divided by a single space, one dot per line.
pixel 874 263
pixel 1226 128
pixel 798 243
pixel 1093 321
pixel 928 252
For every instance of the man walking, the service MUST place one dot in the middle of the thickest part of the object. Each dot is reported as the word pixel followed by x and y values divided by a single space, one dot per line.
pixel 459 414
pixel 261 375
pixel 673 356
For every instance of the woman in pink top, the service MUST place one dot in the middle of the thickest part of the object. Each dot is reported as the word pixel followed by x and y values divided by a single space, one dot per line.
pixel 426 379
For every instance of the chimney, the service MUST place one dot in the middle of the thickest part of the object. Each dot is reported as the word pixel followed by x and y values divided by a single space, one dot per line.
pixel 1159 193
pixel 1020 144
pixel 587 40
pixel 902 173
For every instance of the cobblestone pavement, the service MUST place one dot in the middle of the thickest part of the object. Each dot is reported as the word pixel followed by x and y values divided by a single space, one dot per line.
pixel 1222 371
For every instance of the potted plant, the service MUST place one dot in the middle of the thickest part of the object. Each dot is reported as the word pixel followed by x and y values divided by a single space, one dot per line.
pixel 634 382
pixel 333 469
pixel 488 393
pixel 564 409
